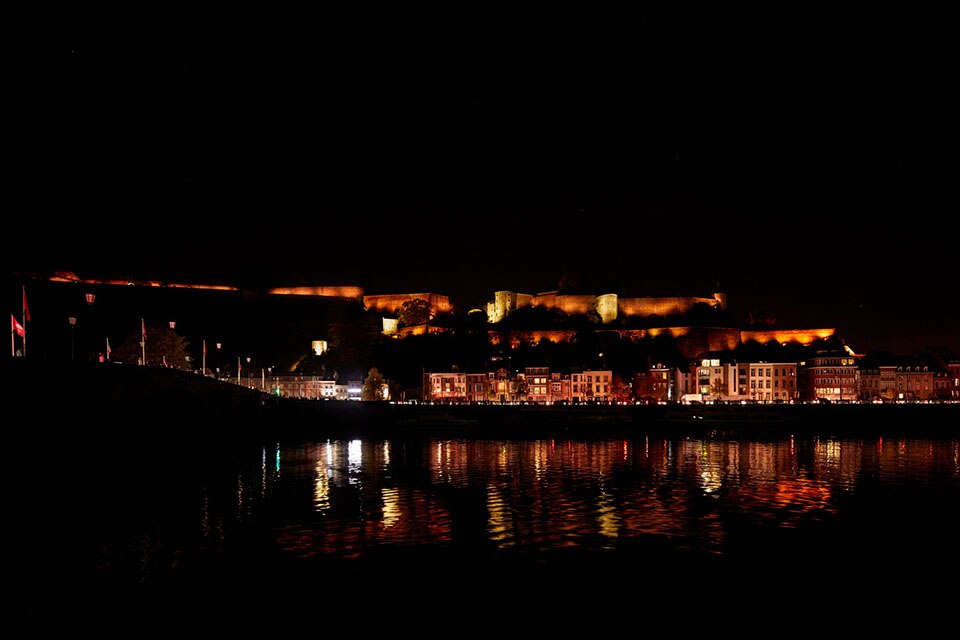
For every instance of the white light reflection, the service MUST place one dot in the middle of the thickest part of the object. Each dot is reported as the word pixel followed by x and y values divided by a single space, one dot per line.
pixel 354 460
pixel 539 457
pixel 239 497
pixel 391 506
pixel 500 519
pixel 710 479
pixel 607 515
pixel 205 514
pixel 321 483
pixel 386 454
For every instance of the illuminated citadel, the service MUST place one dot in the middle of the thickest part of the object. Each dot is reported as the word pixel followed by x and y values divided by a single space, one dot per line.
pixel 630 317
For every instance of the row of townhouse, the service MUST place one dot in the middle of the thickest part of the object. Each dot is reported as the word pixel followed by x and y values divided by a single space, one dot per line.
pixel 909 380
pixel 306 387
pixel 729 380
pixel 537 385
pixel 835 377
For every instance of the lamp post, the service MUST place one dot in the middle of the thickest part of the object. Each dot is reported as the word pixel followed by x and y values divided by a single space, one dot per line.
pixel 90 324
pixel 73 325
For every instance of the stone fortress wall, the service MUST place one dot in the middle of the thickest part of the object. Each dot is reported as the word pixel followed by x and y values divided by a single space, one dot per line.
pixel 390 303
pixel 326 291
pixel 609 306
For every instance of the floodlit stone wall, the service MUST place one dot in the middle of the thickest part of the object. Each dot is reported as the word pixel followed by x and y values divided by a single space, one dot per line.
pixel 321 292
pixel 641 307
pixel 803 336
pixel 609 305
pixel 390 303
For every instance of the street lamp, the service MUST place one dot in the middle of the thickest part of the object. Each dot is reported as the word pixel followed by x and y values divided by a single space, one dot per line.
pixel 73 324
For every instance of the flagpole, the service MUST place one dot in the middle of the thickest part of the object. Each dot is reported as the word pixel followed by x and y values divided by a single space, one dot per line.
pixel 143 342
pixel 23 315
pixel 203 361
pixel 13 342
pixel 238 370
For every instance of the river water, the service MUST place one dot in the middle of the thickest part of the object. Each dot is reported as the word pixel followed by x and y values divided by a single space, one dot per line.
pixel 133 543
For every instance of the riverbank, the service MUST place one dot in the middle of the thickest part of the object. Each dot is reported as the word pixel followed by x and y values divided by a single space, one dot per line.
pixel 366 419
pixel 123 403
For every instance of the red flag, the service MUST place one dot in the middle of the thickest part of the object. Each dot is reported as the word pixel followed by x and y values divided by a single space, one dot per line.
pixel 26 307
pixel 16 326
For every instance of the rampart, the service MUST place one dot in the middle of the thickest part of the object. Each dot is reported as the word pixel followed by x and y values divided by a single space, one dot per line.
pixel 353 293
pixel 642 307
pixel 390 303
pixel 609 306
pixel 802 336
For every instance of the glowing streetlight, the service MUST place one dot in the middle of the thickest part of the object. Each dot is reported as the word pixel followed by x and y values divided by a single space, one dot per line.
pixel 73 325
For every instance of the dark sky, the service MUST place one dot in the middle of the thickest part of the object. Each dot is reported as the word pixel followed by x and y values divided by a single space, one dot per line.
pixel 804 161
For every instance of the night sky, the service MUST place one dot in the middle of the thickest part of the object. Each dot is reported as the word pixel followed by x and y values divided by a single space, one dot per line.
pixel 805 162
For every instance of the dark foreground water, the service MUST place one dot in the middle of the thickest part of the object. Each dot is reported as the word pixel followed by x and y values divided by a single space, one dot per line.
pixel 459 535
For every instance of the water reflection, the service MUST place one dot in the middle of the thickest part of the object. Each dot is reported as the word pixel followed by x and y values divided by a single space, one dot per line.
pixel 349 499
pixel 549 494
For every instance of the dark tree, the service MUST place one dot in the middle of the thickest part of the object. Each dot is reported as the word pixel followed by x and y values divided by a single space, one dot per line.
pixel 718 387
pixel 373 385
pixel 521 388
pixel 164 346
pixel 414 312
pixel 476 321
pixel 621 391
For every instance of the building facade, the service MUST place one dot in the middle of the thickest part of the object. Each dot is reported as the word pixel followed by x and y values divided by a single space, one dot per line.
pixel 767 381
pixel 559 388
pixel 833 377
pixel 654 385
pixel 478 387
pixel 591 386
pixel 953 375
pixel 445 387
pixel 538 384
pixel 715 378
pixel 307 387
pixel 914 382
pixel 501 386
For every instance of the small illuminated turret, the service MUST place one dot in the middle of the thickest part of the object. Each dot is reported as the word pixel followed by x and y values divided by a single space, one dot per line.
pixel 721 299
